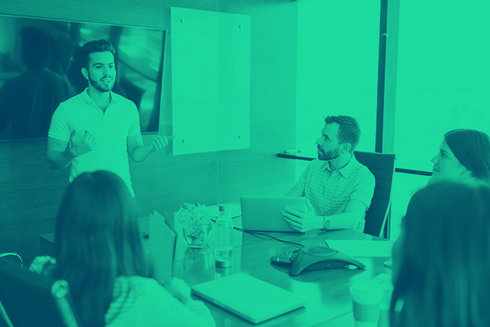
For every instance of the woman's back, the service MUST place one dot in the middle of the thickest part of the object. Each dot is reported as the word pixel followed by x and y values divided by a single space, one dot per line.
pixel 440 261
pixel 99 252
pixel 140 301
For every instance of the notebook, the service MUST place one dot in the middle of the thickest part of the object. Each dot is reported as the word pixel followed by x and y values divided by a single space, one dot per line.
pixel 264 213
pixel 249 297
pixel 162 242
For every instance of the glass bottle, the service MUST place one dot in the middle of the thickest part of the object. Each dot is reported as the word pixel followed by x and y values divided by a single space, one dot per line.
pixel 224 238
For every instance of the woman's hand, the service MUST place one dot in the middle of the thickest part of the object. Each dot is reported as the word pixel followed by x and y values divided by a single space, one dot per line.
pixel 40 264
pixel 179 289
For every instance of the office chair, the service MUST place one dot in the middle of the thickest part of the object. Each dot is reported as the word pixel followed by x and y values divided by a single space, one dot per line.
pixel 28 299
pixel 378 218
pixel 17 259
pixel 12 257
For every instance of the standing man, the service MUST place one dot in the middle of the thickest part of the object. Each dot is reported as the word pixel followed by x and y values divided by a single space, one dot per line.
pixel 338 189
pixel 98 129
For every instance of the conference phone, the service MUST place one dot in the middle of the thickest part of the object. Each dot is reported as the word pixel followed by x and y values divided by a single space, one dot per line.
pixel 315 258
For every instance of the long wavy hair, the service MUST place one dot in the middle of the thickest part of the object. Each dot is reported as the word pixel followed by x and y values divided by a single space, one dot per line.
pixel 443 270
pixel 97 240
pixel 472 149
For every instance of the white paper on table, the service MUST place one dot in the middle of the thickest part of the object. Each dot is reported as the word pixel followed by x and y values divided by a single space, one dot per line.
pixel 383 280
pixel 162 247
pixel 357 248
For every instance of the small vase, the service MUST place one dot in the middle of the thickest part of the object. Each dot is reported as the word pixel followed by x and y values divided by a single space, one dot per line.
pixel 197 238
pixel 199 265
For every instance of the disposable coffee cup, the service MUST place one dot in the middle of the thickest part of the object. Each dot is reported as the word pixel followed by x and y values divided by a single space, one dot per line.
pixel 366 300
pixel 384 308
pixel 384 281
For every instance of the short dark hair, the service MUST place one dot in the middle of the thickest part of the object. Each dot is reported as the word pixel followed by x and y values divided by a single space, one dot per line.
pixel 95 46
pixel 472 149
pixel 443 265
pixel 349 131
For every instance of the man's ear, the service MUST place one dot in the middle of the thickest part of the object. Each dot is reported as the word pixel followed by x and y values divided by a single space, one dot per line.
pixel 85 73
pixel 345 147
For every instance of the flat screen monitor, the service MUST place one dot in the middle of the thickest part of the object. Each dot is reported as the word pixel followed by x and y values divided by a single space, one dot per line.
pixel 40 67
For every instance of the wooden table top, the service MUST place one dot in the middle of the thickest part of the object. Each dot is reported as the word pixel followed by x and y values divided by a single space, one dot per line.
pixel 326 291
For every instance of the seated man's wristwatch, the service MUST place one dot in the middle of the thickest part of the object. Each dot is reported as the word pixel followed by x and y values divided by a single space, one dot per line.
pixel 326 223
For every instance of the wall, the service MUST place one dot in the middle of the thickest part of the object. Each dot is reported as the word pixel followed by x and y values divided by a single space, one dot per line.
pixel 30 192
pixel 337 69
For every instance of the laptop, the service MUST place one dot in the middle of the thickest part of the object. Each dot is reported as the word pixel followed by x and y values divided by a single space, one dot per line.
pixel 162 242
pixel 264 213
pixel 248 297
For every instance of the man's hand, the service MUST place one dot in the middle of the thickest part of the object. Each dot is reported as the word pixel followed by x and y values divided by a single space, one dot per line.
pixel 303 221
pixel 160 141
pixel 80 143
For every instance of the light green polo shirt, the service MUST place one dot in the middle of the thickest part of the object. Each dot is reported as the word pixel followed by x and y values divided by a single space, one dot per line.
pixel 110 129
pixel 329 191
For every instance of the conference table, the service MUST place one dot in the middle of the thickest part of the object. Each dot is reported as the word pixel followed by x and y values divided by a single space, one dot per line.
pixel 328 302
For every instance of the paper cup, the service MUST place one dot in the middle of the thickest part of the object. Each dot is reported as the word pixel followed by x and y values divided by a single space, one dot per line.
pixel 384 281
pixel 366 300
pixel 384 307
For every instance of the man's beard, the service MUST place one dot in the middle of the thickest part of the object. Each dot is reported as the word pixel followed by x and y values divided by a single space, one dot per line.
pixel 101 86
pixel 329 155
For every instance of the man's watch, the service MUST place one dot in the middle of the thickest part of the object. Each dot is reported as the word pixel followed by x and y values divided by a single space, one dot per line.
pixel 326 223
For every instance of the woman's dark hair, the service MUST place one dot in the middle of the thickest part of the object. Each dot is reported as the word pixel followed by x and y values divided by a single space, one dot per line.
pixel 94 46
pixel 349 131
pixel 442 277
pixel 472 149
pixel 97 240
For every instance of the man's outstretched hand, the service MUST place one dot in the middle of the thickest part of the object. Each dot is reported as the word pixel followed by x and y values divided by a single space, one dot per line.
pixel 81 143
pixel 161 141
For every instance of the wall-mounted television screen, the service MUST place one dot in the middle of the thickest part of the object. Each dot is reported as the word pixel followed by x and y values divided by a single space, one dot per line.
pixel 40 67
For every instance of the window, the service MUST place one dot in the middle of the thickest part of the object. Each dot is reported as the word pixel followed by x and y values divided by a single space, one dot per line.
pixel 338 45
pixel 443 76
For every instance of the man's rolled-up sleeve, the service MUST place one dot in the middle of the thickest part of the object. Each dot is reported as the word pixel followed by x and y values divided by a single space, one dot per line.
pixel 135 127
pixel 60 127
pixel 364 189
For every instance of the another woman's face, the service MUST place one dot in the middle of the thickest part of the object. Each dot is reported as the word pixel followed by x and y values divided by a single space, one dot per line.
pixel 446 165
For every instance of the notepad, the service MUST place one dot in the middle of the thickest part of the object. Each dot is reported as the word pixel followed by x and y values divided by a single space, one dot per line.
pixel 162 247
pixel 357 248
pixel 249 297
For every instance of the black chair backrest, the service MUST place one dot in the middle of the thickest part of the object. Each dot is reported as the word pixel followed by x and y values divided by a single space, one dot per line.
pixel 13 257
pixel 30 299
pixel 383 168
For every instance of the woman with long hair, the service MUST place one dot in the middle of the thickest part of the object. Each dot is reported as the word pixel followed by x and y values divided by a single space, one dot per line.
pixel 99 253
pixel 464 155
pixel 440 260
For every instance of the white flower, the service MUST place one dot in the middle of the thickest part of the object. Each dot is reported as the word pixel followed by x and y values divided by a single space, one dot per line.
pixel 194 216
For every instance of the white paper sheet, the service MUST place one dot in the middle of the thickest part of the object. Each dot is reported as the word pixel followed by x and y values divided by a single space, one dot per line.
pixel 356 248
pixel 162 247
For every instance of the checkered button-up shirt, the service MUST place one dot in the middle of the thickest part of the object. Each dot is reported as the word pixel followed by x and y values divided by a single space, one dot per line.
pixel 329 191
